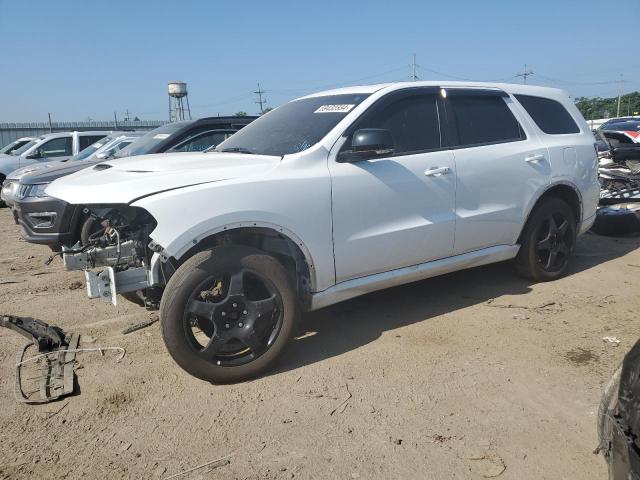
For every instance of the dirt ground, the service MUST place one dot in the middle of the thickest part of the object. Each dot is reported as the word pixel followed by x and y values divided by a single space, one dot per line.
pixel 477 374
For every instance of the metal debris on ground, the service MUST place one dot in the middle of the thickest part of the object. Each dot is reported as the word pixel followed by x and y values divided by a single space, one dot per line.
pixel 50 374
pixel 55 376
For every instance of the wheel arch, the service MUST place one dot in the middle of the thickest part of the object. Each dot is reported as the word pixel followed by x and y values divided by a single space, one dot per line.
pixel 563 190
pixel 276 240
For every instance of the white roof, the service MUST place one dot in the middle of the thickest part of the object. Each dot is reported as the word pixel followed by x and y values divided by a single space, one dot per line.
pixel 515 88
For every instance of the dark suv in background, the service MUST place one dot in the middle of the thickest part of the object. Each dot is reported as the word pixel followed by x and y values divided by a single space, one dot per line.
pixel 49 221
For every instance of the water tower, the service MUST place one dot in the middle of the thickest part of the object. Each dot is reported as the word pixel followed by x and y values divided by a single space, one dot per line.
pixel 178 97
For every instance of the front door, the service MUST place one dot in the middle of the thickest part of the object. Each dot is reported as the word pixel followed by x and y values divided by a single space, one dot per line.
pixel 399 210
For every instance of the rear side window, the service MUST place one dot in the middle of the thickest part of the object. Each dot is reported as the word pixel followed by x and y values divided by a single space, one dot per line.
pixel 550 116
pixel 484 119
pixel 86 140
pixel 412 121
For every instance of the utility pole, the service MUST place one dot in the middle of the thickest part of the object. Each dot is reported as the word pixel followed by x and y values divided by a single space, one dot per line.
pixel 262 102
pixel 50 129
pixel 524 74
pixel 414 75
pixel 126 115
pixel 115 119
pixel 619 95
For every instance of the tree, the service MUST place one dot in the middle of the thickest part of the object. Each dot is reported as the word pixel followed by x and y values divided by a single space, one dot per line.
pixel 597 107
pixel 240 114
pixel 267 110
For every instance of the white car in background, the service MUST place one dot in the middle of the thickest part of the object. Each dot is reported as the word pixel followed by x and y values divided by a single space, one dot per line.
pixel 331 196
pixel 57 146
pixel 16 144
pixel 103 148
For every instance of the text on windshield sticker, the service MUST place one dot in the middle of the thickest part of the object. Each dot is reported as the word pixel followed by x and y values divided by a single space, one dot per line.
pixel 341 108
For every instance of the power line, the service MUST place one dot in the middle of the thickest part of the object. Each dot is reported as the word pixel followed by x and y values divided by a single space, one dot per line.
pixel 619 94
pixel 260 101
pixel 526 73
pixel 414 76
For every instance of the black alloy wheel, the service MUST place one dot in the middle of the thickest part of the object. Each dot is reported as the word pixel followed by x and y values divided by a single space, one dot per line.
pixel 555 242
pixel 227 313
pixel 547 241
pixel 233 317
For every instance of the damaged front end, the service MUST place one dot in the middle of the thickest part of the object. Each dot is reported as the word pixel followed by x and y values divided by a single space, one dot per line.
pixel 115 237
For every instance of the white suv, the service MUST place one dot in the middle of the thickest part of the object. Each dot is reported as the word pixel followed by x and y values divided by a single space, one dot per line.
pixel 56 146
pixel 331 196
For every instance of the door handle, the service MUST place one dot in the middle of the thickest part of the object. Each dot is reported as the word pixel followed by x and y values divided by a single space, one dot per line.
pixel 535 158
pixel 437 171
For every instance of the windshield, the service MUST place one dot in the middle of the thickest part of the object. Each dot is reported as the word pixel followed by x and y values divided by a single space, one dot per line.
pixel 629 125
pixel 293 127
pixel 26 146
pixel 91 149
pixel 10 148
pixel 149 141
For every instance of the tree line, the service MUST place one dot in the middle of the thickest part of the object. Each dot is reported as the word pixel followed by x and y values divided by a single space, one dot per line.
pixel 597 107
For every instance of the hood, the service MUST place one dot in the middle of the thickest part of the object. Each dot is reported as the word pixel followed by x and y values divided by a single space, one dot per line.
pixel 50 171
pixel 127 179
pixel 8 163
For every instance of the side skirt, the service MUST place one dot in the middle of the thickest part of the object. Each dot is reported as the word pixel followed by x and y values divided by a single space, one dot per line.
pixel 371 283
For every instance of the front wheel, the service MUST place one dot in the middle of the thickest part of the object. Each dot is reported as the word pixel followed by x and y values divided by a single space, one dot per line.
pixel 547 242
pixel 226 314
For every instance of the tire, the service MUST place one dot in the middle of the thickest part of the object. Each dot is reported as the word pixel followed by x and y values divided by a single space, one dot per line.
pixel 90 225
pixel 619 219
pixel 2 177
pixel 214 359
pixel 547 241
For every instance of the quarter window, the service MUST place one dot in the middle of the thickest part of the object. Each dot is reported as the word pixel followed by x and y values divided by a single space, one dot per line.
pixel 550 116
pixel 58 147
pixel 412 121
pixel 484 119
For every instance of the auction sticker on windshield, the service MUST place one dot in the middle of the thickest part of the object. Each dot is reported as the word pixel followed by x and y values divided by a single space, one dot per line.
pixel 341 108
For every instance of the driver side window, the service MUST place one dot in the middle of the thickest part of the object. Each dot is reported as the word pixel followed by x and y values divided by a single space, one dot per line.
pixel 58 147
pixel 412 121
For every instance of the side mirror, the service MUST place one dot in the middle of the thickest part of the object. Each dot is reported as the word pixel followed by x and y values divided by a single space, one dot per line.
pixel 368 143
pixel 37 153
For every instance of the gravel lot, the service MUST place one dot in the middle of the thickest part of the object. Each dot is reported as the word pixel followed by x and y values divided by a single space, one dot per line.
pixel 477 374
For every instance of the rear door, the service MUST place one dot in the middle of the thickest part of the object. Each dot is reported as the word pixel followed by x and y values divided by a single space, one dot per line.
pixel 395 211
pixel 501 166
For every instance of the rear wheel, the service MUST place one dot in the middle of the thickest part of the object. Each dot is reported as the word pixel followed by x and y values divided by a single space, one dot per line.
pixel 547 242
pixel 228 313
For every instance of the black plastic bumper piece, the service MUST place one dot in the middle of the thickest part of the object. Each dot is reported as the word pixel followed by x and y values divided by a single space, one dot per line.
pixel 48 221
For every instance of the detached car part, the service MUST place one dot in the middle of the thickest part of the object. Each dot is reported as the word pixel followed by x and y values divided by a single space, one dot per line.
pixel 619 420
pixel 53 365
pixel 617 219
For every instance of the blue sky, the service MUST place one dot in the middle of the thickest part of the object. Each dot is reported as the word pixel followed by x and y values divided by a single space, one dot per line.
pixel 80 59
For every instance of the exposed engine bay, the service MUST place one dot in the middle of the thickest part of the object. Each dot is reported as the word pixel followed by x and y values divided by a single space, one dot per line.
pixel 115 237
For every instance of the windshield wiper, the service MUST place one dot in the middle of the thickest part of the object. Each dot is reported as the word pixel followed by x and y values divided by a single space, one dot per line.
pixel 238 150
